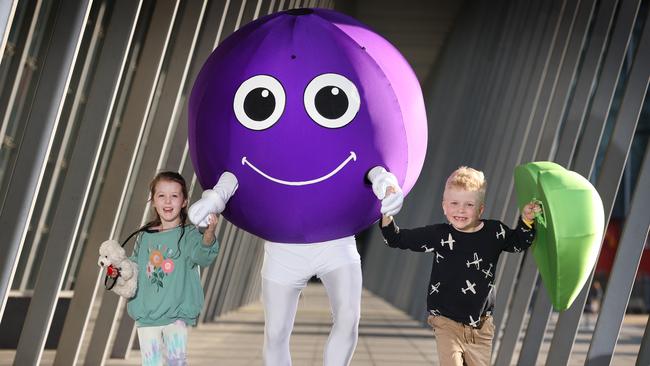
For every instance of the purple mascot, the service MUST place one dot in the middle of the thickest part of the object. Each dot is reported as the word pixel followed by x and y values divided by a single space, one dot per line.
pixel 299 124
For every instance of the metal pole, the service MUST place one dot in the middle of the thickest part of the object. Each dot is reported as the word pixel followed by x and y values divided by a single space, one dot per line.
pixel 17 205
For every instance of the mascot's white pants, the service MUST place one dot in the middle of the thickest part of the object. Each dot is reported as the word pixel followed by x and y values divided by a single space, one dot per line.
pixel 285 272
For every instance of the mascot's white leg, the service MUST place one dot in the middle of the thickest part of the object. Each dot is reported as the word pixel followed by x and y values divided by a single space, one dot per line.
pixel 280 305
pixel 344 290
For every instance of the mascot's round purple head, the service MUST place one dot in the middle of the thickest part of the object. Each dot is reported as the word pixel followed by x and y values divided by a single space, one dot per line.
pixel 299 106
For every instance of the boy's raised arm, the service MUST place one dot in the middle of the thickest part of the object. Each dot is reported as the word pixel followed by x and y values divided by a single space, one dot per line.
pixel 523 236
pixel 418 240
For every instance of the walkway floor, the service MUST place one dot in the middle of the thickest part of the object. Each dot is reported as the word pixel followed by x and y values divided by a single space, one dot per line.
pixel 388 337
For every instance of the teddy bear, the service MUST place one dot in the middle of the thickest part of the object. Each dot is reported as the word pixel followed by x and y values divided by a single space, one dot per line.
pixel 121 272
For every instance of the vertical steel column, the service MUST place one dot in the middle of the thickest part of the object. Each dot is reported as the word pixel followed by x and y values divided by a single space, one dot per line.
pixel 7 11
pixel 16 69
pixel 644 351
pixel 536 122
pixel 593 55
pixel 621 279
pixel 585 157
pixel 17 205
pixel 61 241
pixel 503 128
pixel 506 127
pixel 530 78
pixel 84 164
pixel 507 153
pixel 224 258
pixel 444 107
pixel 109 212
pixel 548 140
pixel 176 158
pixel 226 284
pixel 238 264
pixel 577 112
pixel 496 130
pixel 387 264
pixel 243 12
pixel 482 127
pixel 586 153
pixel 209 275
pixel 562 20
pixel 161 126
pixel 607 185
pixel 522 104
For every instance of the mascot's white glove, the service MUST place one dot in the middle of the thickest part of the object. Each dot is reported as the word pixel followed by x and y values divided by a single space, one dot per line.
pixel 381 179
pixel 213 200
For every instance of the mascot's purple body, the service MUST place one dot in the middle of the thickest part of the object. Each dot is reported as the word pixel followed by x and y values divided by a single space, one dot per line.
pixel 299 106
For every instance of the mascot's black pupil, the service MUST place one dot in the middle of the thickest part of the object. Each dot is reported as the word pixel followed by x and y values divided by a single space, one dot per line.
pixel 259 104
pixel 331 102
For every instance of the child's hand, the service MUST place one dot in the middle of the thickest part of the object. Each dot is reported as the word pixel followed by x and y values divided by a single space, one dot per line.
pixel 386 219
pixel 209 234
pixel 381 181
pixel 212 221
pixel 530 210
pixel 430 320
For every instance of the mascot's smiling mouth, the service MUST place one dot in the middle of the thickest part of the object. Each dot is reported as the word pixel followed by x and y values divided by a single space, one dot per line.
pixel 352 156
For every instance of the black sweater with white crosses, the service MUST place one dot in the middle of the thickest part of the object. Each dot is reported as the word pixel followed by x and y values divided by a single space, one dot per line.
pixel 464 264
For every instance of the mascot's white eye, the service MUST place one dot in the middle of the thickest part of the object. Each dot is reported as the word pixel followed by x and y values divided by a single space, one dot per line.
pixel 259 102
pixel 332 100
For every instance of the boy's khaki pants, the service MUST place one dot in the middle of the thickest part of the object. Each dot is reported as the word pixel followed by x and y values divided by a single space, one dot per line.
pixel 458 342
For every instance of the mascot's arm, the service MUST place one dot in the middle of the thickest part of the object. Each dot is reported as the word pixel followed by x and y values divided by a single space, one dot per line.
pixel 213 200
pixel 391 201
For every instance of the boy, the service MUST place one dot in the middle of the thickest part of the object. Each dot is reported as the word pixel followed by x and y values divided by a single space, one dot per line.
pixel 465 253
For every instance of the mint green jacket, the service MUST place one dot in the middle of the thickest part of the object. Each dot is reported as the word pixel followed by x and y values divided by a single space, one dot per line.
pixel 169 284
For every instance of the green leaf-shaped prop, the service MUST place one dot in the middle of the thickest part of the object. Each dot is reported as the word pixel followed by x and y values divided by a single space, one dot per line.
pixel 569 229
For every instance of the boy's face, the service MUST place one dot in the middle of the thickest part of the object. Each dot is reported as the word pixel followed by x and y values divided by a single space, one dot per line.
pixel 462 208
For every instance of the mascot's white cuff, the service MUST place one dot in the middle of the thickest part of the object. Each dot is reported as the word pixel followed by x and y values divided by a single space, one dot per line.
pixel 381 180
pixel 224 189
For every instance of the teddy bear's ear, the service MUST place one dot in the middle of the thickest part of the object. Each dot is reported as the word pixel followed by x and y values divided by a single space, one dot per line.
pixel 109 243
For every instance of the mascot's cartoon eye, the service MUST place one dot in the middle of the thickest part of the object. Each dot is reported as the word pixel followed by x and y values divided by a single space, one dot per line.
pixel 332 100
pixel 259 102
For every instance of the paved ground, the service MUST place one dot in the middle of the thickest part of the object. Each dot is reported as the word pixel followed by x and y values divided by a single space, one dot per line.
pixel 387 337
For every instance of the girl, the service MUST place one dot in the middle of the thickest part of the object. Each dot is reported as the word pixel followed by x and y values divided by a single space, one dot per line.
pixel 167 251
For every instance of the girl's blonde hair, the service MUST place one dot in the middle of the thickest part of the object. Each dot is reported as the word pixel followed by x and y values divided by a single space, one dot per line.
pixel 468 179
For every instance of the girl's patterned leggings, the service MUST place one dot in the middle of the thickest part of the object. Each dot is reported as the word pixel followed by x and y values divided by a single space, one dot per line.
pixel 167 342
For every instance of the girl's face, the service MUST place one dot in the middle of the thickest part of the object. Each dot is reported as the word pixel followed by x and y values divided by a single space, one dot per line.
pixel 463 209
pixel 168 200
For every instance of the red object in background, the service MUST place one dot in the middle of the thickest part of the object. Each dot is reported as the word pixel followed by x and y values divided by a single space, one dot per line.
pixel 610 244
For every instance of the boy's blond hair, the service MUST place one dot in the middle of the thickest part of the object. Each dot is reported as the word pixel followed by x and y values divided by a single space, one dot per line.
pixel 468 179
